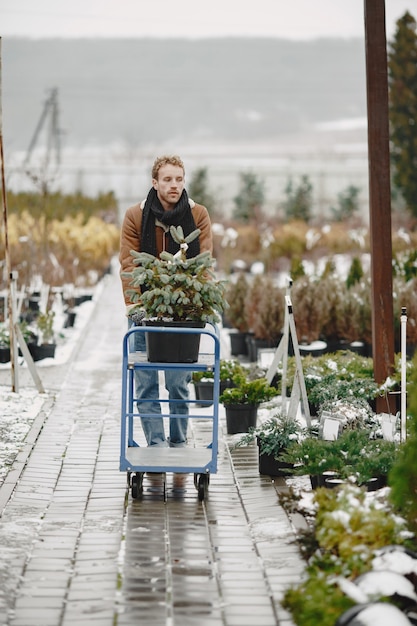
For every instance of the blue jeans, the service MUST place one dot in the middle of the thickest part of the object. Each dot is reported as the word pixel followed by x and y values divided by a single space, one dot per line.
pixel 147 387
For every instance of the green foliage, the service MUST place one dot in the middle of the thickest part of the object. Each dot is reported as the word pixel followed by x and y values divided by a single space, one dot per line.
pixel 236 294
pixel 274 435
pixel 268 321
pixel 353 456
pixel 405 265
pixel 332 388
pixel 45 323
pixel 177 288
pixel 343 375
pixel 28 334
pixel 248 391
pixel 402 68
pixel 348 204
pixel 317 600
pixel 253 299
pixel 355 272
pixel 403 476
pixel 58 205
pixel 250 198
pixel 299 200
pixel 229 368
pixel 349 528
pixel 199 191
pixel 307 309
pixel 297 268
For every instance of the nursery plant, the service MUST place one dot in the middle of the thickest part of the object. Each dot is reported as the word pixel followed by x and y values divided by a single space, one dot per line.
pixel 349 527
pixel 177 288
pixel 45 324
pixel 403 477
pixel 342 376
pixel 354 456
pixel 268 318
pixel 274 435
pixel 229 368
pixel 236 294
pixel 246 391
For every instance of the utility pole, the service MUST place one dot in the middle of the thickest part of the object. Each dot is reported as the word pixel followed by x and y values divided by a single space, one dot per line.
pixel 49 118
pixel 379 195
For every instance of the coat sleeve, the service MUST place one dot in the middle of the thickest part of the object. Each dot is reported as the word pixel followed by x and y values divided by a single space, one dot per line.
pixel 202 221
pixel 130 237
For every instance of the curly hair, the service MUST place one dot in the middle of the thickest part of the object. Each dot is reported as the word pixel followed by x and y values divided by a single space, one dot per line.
pixel 164 160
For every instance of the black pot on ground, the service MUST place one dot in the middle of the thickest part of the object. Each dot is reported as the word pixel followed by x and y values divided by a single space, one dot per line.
pixel 204 389
pixel 238 344
pixel 42 351
pixel 316 348
pixel 173 347
pixel 240 417
pixel 256 344
pixel 270 466
pixel 4 354
pixel 70 320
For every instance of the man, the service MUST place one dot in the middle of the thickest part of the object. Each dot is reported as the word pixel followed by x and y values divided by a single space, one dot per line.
pixel 146 229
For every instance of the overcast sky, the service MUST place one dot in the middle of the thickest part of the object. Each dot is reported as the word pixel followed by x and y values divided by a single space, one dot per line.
pixel 293 19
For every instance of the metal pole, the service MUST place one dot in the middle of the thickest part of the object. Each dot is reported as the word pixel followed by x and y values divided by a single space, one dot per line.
pixel 403 374
pixel 379 194
pixel 13 346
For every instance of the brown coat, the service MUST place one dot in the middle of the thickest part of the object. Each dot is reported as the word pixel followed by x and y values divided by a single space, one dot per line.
pixel 130 237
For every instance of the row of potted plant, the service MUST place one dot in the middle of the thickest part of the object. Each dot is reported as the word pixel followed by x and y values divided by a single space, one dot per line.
pixel 38 336
pixel 325 308
pixel 360 547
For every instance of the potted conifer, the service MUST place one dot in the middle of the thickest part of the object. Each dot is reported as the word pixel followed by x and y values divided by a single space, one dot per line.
pixel 273 437
pixel 177 292
pixel 236 295
pixel 241 402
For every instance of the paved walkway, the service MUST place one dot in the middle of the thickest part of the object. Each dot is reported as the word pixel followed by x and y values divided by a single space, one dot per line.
pixel 77 550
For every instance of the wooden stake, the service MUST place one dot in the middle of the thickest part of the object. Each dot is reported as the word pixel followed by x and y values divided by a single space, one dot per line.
pixel 379 194
pixel 13 344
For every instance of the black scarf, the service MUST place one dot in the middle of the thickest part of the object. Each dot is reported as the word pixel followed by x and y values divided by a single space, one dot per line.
pixel 180 215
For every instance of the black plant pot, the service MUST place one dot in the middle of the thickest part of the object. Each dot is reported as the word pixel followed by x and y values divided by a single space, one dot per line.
pixel 204 389
pixel 270 466
pixel 238 344
pixel 241 417
pixel 43 351
pixel 204 392
pixel 4 354
pixel 70 321
pixel 173 347
pixel 256 344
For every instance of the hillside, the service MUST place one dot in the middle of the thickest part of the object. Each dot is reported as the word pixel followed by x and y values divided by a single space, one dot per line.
pixel 146 90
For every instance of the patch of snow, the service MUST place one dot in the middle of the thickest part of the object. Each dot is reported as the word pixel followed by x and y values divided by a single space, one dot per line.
pixel 270 528
pixel 395 561
pixel 383 583
pixel 18 412
pixel 381 614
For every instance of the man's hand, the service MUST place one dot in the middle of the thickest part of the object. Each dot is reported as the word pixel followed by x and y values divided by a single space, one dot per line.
pixel 136 314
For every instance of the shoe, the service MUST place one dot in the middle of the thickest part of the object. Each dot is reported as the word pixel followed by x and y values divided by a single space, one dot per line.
pixel 155 481
pixel 179 482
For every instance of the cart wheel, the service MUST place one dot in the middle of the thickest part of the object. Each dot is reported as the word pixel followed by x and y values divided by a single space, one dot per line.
pixel 137 485
pixel 128 475
pixel 196 480
pixel 203 483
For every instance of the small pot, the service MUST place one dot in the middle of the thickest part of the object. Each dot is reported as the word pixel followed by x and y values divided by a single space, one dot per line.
pixel 241 417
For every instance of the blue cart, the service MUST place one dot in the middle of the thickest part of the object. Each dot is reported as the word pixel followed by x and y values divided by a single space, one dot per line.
pixel 136 459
